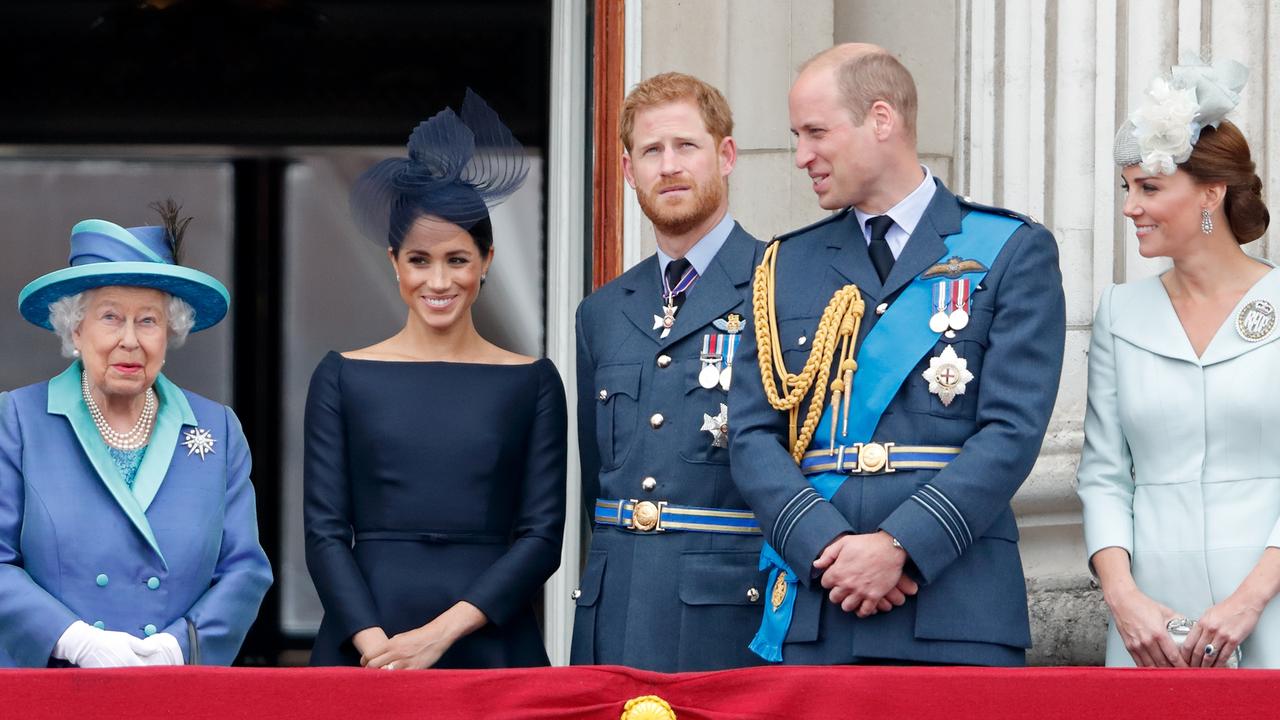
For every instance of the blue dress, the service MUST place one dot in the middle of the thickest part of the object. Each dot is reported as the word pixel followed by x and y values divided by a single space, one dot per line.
pixel 427 483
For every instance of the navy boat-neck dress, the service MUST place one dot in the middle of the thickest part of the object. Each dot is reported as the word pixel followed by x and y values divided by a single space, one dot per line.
pixel 427 483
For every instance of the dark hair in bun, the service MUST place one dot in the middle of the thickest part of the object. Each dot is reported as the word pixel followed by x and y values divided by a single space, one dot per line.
pixel 1221 155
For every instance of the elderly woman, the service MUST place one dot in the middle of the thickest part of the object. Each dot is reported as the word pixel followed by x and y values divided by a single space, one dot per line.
pixel 128 534
pixel 1180 479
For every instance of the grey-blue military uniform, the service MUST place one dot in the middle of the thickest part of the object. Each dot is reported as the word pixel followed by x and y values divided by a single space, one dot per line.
pixel 955 523
pixel 656 594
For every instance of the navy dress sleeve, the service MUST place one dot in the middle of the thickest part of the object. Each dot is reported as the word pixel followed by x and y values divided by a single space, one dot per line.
pixel 534 554
pixel 327 512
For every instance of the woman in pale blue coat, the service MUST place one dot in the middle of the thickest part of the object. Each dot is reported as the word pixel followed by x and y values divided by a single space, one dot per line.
pixel 1180 476
pixel 128 534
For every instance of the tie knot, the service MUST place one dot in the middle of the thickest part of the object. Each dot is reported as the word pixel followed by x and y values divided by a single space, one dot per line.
pixel 676 270
pixel 879 226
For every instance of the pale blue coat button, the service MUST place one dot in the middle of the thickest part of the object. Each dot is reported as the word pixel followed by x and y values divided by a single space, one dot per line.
pixel 149 630
pixel 153 583
pixel 100 625
pixel 101 580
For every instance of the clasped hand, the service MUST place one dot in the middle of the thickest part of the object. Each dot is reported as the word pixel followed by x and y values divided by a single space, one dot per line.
pixel 863 573
pixel 89 647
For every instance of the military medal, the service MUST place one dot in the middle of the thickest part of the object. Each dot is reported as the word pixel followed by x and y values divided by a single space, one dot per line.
pixel 666 320
pixel 960 299
pixel 726 375
pixel 939 320
pixel 198 441
pixel 1256 320
pixel 710 357
pixel 947 375
pixel 718 426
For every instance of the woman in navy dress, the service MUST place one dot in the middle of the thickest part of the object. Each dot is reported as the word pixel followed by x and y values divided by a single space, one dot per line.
pixel 435 460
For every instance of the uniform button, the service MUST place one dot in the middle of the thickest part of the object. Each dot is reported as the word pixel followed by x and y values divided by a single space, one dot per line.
pixel 149 630
pixel 753 595
pixel 657 420
pixel 603 395
pixel 881 308
pixel 102 580
pixel 803 340
pixel 649 484
pixel 664 360
pixel 153 583
pixel 575 594
pixel 99 624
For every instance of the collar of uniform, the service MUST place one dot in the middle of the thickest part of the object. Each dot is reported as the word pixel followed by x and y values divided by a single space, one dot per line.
pixel 907 213
pixel 700 255
pixel 1143 314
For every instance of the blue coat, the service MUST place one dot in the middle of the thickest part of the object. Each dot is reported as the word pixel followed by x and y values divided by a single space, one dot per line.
pixel 971 607
pixel 677 600
pixel 178 553
pixel 1194 514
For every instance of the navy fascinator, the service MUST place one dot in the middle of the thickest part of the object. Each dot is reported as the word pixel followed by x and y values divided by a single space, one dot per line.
pixel 457 168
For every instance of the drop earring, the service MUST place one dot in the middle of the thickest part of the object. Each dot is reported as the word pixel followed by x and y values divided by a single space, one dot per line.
pixel 1206 223
pixel 482 278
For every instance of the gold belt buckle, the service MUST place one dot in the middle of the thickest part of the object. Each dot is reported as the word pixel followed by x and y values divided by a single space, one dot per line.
pixel 646 515
pixel 874 457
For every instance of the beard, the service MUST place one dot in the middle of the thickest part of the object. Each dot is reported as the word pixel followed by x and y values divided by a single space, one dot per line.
pixel 683 218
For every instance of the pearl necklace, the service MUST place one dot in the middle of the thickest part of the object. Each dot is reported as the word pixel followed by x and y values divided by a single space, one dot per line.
pixel 136 437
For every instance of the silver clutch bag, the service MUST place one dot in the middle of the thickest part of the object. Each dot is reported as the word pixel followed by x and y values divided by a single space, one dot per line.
pixel 1180 627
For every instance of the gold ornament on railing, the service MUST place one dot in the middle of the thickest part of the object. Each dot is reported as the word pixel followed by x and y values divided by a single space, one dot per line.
pixel 648 707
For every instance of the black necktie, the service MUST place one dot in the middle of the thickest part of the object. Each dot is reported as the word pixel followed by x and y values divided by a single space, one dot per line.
pixel 674 273
pixel 881 255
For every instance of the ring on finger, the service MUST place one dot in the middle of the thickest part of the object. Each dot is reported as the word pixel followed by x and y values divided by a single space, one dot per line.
pixel 1210 650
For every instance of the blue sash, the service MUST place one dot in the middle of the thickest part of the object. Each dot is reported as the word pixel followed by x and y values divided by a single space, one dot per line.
pixel 891 350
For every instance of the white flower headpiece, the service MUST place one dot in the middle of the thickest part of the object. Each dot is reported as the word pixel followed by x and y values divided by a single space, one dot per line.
pixel 1161 133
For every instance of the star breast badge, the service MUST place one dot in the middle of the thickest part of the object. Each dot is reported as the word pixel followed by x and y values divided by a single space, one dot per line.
pixel 947 375
pixel 198 441
pixel 718 426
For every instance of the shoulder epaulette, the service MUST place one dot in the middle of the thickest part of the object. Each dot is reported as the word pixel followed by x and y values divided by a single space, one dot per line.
pixel 812 226
pixel 971 203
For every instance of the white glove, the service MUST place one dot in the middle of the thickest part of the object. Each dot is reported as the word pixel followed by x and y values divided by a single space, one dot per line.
pixel 159 649
pixel 88 647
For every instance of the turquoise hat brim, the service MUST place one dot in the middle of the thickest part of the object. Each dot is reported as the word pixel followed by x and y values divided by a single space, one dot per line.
pixel 207 296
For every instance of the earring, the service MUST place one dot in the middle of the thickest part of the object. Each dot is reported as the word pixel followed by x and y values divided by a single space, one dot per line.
pixel 1206 223
pixel 397 277
pixel 482 278
pixel 75 352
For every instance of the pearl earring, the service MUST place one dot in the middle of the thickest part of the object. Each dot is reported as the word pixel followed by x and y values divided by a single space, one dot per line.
pixel 75 352
pixel 1206 223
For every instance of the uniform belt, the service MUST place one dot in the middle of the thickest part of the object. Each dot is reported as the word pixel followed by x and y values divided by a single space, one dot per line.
pixel 432 536
pixel 648 516
pixel 874 458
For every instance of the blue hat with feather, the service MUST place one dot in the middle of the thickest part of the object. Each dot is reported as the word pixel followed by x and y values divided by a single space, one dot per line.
pixel 105 254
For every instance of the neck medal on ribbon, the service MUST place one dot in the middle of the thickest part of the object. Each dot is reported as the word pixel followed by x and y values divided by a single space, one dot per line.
pixel 667 320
